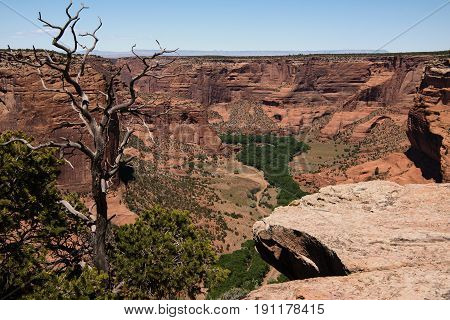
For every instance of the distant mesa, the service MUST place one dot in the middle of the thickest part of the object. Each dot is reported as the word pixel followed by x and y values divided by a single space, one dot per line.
pixel 225 53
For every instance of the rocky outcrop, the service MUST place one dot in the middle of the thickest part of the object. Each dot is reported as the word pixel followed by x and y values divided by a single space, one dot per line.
pixel 392 240
pixel 296 254
pixel 408 283
pixel 429 120
pixel 396 167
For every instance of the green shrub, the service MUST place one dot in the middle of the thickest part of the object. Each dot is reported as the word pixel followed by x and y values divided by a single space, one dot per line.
pixel 234 215
pixel 247 271
pixel 88 285
pixel 37 234
pixel 280 279
pixel 163 255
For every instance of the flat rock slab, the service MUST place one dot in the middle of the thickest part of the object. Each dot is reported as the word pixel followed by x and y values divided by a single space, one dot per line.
pixel 393 240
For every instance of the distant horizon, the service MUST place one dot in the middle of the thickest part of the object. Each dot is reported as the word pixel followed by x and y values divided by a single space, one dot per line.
pixel 238 53
pixel 233 26
pixel 257 53
pixel 243 53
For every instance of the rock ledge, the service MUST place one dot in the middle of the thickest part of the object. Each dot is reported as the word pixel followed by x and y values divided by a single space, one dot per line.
pixel 393 241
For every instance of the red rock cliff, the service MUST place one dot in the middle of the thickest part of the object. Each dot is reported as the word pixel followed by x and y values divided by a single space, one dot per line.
pixel 429 120
pixel 331 95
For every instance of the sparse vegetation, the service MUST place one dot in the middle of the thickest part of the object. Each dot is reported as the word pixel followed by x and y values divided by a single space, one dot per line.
pixel 136 142
pixel 157 187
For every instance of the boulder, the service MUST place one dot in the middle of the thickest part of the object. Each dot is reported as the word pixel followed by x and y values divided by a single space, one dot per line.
pixel 374 240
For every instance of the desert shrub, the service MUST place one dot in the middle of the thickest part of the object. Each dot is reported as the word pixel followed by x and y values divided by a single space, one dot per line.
pixel 246 272
pixel 280 279
pixel 162 255
pixel 235 294
pixel 252 194
pixel 36 232
pixel 254 190
pixel 234 215
pixel 88 285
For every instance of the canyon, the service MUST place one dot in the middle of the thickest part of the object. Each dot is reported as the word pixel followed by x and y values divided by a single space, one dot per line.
pixel 360 101
pixel 378 163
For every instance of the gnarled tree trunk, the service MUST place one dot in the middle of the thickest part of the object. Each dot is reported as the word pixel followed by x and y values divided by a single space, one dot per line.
pixel 101 222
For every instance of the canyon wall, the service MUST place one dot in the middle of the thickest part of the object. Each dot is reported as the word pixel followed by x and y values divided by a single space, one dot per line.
pixel 294 93
pixel 280 81
pixel 429 122
pixel 25 106
pixel 326 97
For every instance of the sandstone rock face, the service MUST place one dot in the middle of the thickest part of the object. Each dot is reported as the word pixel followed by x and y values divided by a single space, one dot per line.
pixel 429 120
pixel 396 167
pixel 281 81
pixel 294 94
pixel 392 239
pixel 342 119
pixel 25 106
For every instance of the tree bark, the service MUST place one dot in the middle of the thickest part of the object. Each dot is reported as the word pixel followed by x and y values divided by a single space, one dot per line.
pixel 101 224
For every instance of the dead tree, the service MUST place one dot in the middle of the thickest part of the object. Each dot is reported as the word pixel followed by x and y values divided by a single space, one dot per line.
pixel 95 120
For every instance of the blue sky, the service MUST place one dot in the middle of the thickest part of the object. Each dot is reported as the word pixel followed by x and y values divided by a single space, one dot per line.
pixel 240 25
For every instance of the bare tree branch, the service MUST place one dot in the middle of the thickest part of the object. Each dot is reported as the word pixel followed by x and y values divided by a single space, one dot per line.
pixel 147 67
pixel 71 67
pixel 51 144
pixel 67 124
pixel 120 150
pixel 74 212
pixel 88 50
